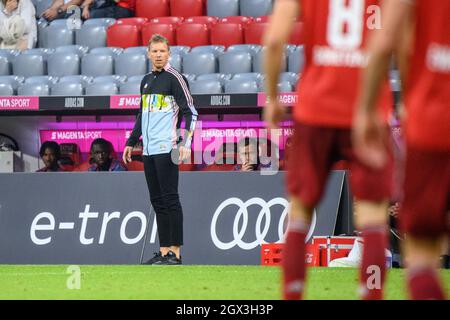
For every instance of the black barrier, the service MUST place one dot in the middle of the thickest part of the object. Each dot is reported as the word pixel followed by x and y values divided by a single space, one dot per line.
pixel 104 218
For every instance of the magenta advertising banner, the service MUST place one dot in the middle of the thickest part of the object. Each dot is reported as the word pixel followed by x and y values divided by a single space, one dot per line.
pixel 125 102
pixel 287 99
pixel 19 103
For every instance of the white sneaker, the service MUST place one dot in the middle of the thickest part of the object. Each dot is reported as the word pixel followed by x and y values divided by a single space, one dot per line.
pixel 353 259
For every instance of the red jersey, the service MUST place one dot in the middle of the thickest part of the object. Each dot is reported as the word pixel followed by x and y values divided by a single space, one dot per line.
pixel 427 98
pixel 335 32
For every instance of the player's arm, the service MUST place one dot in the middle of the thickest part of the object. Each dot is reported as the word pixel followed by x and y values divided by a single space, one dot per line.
pixel 281 23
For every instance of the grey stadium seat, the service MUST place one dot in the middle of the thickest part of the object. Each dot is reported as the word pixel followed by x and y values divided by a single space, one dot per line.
pixel 175 61
pixel 117 79
pixel 59 22
pixel 57 36
pixel 255 8
pixel 33 89
pixel 181 50
pixel 222 8
pixel 290 77
pixel 140 50
pixel 190 77
pixel 112 51
pixel 45 52
pixel 74 48
pixel 138 78
pixel 283 86
pixel 13 81
pixel 251 48
pixel 63 64
pixel 102 89
pixel 6 89
pixel 130 87
pixel 130 64
pixel 28 65
pixel 67 88
pixel 91 36
pixel 241 86
pixel 258 61
pixel 221 77
pixel 84 80
pixel 235 62
pixel 41 25
pixel 296 60
pixel 106 22
pixel 199 63
pixel 206 87
pixel 48 80
pixel 256 76
pixel 97 65
pixel 215 49
pixel 5 66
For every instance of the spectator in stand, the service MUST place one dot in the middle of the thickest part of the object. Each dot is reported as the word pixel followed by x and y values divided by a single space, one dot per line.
pixel 102 157
pixel 225 158
pixel 248 159
pixel 50 154
pixel 108 9
pixel 17 24
pixel 58 9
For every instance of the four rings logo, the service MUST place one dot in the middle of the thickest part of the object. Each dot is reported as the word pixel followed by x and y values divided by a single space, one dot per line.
pixel 260 231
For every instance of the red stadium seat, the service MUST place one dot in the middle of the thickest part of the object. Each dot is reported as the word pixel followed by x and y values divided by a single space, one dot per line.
pixel 169 20
pixel 227 34
pixel 297 34
pixel 71 151
pixel 209 21
pixel 237 19
pixel 123 36
pixel 135 166
pixel 138 21
pixel 152 8
pixel 254 32
pixel 166 30
pixel 262 19
pixel 187 8
pixel 193 34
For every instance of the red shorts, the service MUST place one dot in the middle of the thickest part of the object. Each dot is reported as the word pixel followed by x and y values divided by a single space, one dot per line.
pixel 313 152
pixel 426 202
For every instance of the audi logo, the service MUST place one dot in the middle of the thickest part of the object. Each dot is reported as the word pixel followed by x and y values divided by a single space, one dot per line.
pixel 261 230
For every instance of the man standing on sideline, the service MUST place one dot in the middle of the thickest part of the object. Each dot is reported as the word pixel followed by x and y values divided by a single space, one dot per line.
pixel 165 100
pixel 424 213
pixel 335 33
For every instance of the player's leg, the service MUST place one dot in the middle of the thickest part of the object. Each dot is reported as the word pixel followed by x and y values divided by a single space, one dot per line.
pixel 308 168
pixel 372 189
pixel 424 219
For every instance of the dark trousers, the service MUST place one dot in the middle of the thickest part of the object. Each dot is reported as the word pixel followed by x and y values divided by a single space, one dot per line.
pixel 161 175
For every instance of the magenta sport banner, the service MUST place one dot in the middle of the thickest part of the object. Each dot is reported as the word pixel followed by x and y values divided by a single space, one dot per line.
pixel 125 102
pixel 19 103
pixel 286 99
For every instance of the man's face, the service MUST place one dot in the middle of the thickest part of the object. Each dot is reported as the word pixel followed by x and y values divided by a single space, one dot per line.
pixel 248 154
pixel 159 55
pixel 100 154
pixel 49 157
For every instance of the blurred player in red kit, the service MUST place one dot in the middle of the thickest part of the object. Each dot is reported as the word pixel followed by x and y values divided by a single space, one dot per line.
pixel 424 214
pixel 334 33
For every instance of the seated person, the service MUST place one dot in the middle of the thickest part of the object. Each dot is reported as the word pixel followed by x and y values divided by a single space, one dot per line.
pixel 269 155
pixel 248 159
pixel 50 154
pixel 108 9
pixel 18 28
pixel 225 158
pixel 58 9
pixel 102 159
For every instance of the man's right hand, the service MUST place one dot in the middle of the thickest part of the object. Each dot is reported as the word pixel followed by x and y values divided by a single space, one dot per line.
pixel 50 13
pixel 126 157
pixel 273 114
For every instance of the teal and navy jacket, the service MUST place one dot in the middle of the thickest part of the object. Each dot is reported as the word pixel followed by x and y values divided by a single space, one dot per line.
pixel 165 101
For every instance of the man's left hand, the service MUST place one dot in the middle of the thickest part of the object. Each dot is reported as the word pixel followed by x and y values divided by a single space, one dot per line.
pixel 185 153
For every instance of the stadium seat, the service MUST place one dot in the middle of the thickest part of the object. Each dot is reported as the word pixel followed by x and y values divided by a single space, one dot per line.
pixel 97 65
pixel 74 48
pixel 28 65
pixel 235 62
pixel 222 8
pixel 186 31
pixel 62 23
pixel 130 87
pixel 290 77
pixel 209 21
pixel 67 89
pixel 176 62
pixel 84 80
pixel 289 48
pixel 214 49
pixel 48 80
pixel 253 49
pixel 190 77
pixel 135 21
pixel 137 78
pixel 241 86
pixel 187 8
pixel 57 36
pixel 227 34
pixel 130 64
pixel 296 37
pixel 296 60
pixel 150 28
pixel 254 32
pixel 244 20
pixel 206 87
pixel 63 64
pixel 13 81
pixel 181 50
pixel 71 151
pixel 123 35
pixel 255 76
pixel 255 8
pixel 5 66
pixel 41 40
pixel 110 51
pixel 257 62
pixel 221 77
pixel 199 63
pixel 91 36
pixel 169 20
pixel 33 89
pixel 117 79
pixel 44 52
pixel 152 8
pixel 106 22
pixel 6 89
pixel 101 89
pixel 140 50
pixel 284 86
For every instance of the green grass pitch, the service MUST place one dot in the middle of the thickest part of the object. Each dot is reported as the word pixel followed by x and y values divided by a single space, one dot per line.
pixel 183 282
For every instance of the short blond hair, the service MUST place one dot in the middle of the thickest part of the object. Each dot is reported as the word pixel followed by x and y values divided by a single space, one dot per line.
pixel 157 38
